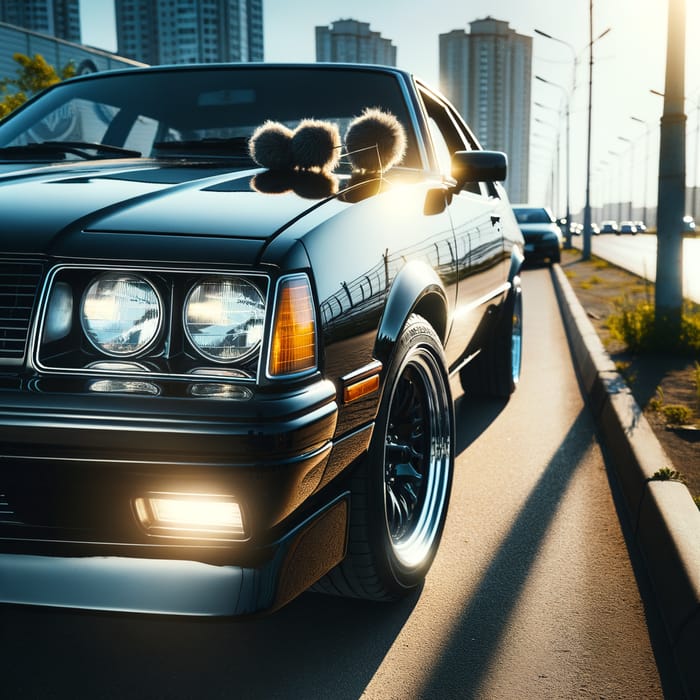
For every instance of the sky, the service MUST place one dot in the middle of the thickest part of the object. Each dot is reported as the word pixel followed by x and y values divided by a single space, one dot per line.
pixel 629 62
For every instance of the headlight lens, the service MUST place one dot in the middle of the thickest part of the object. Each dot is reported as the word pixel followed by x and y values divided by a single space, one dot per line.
pixel 121 314
pixel 224 318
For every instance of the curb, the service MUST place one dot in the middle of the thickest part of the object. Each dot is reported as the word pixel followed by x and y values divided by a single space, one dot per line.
pixel 664 518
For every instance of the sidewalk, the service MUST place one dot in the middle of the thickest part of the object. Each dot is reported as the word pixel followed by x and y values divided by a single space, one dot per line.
pixel 664 519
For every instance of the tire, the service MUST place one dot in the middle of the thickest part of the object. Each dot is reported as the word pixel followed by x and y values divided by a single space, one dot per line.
pixel 400 491
pixel 496 370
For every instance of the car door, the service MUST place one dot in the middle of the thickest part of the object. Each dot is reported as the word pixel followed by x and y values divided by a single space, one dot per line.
pixel 476 213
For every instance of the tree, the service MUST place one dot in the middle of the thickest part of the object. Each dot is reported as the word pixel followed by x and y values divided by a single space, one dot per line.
pixel 33 75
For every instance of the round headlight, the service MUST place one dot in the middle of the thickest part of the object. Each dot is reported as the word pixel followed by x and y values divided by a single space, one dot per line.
pixel 121 314
pixel 224 318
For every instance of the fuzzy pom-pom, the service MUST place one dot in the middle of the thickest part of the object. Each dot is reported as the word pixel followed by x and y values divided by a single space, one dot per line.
pixel 270 146
pixel 375 141
pixel 316 145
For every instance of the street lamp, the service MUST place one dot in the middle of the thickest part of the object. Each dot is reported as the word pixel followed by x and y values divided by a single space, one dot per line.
pixel 555 164
pixel 616 155
pixel 646 166
pixel 567 97
pixel 603 169
pixel 631 147
pixel 575 60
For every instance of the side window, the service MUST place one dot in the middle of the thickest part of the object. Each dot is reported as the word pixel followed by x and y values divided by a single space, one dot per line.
pixel 446 137
pixel 442 150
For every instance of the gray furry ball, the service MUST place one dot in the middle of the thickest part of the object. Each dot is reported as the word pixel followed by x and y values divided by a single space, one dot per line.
pixel 375 141
pixel 316 145
pixel 270 146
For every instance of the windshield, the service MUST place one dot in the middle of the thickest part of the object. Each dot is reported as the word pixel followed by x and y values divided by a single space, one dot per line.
pixel 537 215
pixel 172 112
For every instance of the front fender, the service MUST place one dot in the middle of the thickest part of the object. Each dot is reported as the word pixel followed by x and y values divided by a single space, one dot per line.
pixel 416 289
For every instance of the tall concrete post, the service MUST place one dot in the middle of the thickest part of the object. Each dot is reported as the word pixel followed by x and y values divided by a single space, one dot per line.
pixel 587 233
pixel 671 198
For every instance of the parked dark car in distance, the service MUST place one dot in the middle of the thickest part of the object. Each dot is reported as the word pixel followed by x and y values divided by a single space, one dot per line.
pixel 627 227
pixel 609 226
pixel 542 236
pixel 232 313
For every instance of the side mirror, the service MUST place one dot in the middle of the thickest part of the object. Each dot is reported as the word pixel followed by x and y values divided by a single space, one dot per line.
pixel 479 166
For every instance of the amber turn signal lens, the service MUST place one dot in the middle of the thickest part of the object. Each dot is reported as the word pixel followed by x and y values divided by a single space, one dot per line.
pixel 293 347
pixel 360 389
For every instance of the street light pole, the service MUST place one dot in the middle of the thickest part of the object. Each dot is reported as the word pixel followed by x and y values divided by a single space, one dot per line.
pixel 671 194
pixel 618 166
pixel 555 170
pixel 646 167
pixel 575 56
pixel 567 230
pixel 586 255
pixel 696 190
pixel 629 207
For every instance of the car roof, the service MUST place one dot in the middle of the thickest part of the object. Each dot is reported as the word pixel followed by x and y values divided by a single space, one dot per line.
pixel 247 66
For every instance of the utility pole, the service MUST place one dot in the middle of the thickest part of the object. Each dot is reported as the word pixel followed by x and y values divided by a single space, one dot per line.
pixel 587 209
pixel 671 196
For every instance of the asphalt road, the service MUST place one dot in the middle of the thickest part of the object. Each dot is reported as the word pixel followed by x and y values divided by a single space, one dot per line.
pixel 638 255
pixel 534 593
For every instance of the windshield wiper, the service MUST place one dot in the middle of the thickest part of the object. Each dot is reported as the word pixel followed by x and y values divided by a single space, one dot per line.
pixel 223 147
pixel 62 148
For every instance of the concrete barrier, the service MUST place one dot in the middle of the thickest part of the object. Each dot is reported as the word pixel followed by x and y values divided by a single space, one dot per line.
pixel 664 518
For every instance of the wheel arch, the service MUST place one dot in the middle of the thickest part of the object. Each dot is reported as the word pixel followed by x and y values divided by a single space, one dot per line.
pixel 416 289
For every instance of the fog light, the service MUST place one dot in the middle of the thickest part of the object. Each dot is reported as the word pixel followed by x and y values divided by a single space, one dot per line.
pixel 122 386
pixel 213 390
pixel 190 515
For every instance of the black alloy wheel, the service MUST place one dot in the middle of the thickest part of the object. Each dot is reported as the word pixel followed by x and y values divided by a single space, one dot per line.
pixel 400 493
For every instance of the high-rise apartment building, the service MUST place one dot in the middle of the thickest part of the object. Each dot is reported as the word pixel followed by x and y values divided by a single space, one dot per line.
pixel 350 41
pixel 487 74
pixel 190 31
pixel 59 18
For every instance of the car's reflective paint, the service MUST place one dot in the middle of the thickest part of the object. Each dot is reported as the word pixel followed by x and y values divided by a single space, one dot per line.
pixel 377 249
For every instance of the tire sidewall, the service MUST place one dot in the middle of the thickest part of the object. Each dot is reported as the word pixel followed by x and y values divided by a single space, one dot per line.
pixel 395 575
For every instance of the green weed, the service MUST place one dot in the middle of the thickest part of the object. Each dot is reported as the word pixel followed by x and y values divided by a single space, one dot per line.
pixel 636 325
pixel 667 474
pixel 657 403
pixel 677 414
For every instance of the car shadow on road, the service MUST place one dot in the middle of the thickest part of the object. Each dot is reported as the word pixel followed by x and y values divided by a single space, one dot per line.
pixel 473 416
pixel 481 626
pixel 316 647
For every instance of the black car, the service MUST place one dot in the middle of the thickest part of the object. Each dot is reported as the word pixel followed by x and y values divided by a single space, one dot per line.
pixel 543 239
pixel 232 300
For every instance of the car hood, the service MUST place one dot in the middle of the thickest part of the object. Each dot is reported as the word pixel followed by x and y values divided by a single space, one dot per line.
pixel 86 210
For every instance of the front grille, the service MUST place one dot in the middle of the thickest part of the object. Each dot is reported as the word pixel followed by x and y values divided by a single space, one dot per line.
pixel 19 282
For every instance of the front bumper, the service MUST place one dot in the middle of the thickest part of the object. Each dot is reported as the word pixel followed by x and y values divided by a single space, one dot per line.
pixel 538 249
pixel 72 467
pixel 180 587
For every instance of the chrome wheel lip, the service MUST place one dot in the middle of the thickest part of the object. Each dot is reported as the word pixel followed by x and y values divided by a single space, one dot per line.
pixel 517 338
pixel 413 534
